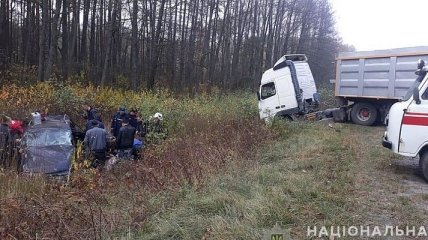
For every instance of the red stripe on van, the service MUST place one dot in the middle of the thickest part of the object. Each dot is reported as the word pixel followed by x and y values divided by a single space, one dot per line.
pixel 419 121
pixel 419 114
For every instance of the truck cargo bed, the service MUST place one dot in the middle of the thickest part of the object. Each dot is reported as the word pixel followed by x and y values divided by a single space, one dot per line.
pixel 380 74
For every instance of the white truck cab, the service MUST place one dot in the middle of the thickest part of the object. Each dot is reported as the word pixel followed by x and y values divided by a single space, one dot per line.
pixel 407 122
pixel 288 88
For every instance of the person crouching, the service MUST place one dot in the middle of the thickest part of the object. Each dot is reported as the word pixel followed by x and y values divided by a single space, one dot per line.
pixel 125 140
pixel 96 144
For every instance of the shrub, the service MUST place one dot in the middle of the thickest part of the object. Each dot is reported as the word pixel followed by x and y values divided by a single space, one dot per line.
pixel 19 102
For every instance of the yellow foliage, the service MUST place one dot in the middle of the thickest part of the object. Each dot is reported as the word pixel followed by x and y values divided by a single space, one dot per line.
pixel 19 102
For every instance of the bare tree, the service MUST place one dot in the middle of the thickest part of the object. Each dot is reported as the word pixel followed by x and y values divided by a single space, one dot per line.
pixel 43 40
pixel 180 44
pixel 54 40
pixel 134 45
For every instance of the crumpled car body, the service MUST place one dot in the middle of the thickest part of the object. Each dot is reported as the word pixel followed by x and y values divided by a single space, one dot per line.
pixel 47 148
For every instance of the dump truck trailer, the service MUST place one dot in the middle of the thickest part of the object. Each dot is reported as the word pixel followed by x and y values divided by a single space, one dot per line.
pixel 368 83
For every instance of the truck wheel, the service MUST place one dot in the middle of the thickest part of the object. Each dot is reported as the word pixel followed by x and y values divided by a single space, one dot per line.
pixel 423 164
pixel 363 114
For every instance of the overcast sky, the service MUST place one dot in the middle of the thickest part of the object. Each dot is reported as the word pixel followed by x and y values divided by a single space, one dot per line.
pixel 382 24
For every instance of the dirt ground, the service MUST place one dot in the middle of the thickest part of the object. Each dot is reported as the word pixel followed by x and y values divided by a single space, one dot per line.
pixel 392 190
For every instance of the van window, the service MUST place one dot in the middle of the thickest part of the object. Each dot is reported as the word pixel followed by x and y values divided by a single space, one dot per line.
pixel 268 90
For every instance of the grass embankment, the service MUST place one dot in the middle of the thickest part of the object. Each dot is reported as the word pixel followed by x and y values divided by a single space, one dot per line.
pixel 305 178
pixel 222 174
pixel 206 135
pixel 312 175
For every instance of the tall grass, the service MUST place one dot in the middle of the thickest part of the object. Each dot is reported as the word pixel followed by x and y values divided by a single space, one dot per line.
pixel 207 134
pixel 19 102
pixel 302 179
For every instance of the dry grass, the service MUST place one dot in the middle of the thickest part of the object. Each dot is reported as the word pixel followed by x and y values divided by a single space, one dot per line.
pixel 222 174
pixel 302 179
pixel 312 176
pixel 100 204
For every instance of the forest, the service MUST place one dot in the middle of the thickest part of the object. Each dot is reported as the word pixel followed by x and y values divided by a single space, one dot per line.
pixel 182 45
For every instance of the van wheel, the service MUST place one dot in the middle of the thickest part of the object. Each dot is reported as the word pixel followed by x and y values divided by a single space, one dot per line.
pixel 364 114
pixel 423 164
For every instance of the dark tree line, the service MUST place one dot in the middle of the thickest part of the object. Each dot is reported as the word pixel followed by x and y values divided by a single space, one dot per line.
pixel 180 44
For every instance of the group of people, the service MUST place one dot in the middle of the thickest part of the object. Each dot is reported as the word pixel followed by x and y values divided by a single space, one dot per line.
pixel 127 128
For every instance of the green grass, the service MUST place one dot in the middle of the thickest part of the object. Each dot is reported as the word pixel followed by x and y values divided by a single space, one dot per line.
pixel 304 178
pixel 311 175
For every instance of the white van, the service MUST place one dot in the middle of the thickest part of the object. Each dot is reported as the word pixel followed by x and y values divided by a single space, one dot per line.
pixel 407 122
pixel 288 89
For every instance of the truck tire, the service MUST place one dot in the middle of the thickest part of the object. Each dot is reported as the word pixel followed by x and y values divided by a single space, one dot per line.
pixel 364 114
pixel 423 164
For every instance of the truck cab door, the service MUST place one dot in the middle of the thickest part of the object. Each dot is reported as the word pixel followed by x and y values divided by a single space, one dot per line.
pixel 268 102
pixel 414 126
pixel 287 95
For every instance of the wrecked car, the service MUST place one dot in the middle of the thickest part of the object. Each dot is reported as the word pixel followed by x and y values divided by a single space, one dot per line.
pixel 48 147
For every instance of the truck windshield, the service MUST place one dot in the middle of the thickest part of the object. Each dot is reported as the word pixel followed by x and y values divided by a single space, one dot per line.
pixel 416 84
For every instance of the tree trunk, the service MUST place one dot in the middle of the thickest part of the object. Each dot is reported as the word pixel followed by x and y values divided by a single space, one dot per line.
pixel 157 47
pixel 64 50
pixel 109 32
pixel 83 45
pixel 134 45
pixel 43 40
pixel 54 41
pixel 92 59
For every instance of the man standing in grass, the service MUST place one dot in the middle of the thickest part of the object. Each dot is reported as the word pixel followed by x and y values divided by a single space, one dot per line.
pixel 97 118
pixel 125 139
pixel 90 112
pixel 4 137
pixel 116 122
pixel 96 144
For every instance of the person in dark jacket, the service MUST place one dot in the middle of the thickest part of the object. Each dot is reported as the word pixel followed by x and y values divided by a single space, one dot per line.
pixel 90 112
pixel 137 122
pixel 133 121
pixel 97 117
pixel 142 127
pixel 117 119
pixel 96 144
pixel 125 139
pixel 4 138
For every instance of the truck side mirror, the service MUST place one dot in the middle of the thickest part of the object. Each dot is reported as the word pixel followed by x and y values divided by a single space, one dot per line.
pixel 416 96
pixel 258 95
